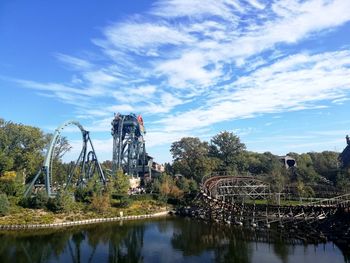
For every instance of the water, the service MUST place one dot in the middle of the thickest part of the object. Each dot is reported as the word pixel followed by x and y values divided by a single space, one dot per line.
pixel 164 240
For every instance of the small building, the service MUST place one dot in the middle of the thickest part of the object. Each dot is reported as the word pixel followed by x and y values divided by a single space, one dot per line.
pixel 287 161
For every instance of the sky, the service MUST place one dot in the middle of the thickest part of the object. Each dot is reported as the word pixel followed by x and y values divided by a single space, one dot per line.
pixel 276 73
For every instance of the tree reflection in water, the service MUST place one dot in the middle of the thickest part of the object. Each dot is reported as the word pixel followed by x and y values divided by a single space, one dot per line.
pixel 175 240
pixel 124 244
pixel 193 239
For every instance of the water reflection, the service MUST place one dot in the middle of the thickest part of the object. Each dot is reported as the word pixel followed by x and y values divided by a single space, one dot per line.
pixel 172 240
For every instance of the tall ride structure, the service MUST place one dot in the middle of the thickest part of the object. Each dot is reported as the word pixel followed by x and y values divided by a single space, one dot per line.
pixel 83 169
pixel 129 152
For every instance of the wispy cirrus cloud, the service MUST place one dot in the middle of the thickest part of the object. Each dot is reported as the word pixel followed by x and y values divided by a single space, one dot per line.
pixel 296 82
pixel 74 62
pixel 193 64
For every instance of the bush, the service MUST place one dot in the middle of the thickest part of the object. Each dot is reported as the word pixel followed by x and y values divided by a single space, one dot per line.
pixel 4 205
pixel 83 194
pixel 100 203
pixel 124 201
pixel 11 184
pixel 141 197
pixel 37 201
pixel 63 202
pixel 119 184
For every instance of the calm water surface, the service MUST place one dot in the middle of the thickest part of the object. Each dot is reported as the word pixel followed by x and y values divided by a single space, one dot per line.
pixel 165 240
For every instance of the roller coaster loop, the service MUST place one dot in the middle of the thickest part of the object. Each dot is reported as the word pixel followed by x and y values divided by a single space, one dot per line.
pixel 87 162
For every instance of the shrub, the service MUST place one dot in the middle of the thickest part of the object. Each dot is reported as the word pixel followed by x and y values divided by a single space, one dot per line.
pixel 4 205
pixel 37 201
pixel 63 202
pixel 11 184
pixel 8 176
pixel 83 194
pixel 141 197
pixel 100 203
pixel 123 201
pixel 119 184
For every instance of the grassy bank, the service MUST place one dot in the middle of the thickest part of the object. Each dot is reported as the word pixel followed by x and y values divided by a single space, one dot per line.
pixel 80 211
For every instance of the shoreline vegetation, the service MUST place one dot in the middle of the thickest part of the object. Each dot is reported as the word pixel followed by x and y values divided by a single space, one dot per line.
pixel 314 176
pixel 18 215
pixel 90 221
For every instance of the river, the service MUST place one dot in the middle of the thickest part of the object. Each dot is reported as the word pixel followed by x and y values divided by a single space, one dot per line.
pixel 162 240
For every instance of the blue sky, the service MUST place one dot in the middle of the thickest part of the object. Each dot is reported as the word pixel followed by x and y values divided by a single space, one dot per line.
pixel 274 72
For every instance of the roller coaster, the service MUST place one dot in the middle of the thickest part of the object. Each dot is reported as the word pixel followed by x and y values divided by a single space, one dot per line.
pixel 129 150
pixel 129 155
pixel 82 170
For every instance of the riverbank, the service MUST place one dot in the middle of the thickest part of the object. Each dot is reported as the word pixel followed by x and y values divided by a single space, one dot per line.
pixel 80 212
pixel 83 222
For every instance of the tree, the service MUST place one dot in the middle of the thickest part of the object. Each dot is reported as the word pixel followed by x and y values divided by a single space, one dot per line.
pixel 168 168
pixel 305 168
pixel 326 164
pixel 121 184
pixel 343 180
pixel 100 203
pixel 63 202
pixel 168 187
pixel 21 147
pixel 107 165
pixel 191 158
pixel 4 205
pixel 11 184
pixel 60 169
pixel 93 187
pixel 304 190
pixel 227 147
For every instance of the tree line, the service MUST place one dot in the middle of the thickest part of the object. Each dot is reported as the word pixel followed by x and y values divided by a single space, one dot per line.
pixel 22 149
pixel 226 154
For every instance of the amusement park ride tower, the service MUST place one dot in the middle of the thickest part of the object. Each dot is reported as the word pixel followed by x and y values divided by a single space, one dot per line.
pixel 129 152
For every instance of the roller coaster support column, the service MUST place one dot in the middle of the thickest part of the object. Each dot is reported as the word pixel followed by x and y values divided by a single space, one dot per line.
pixel 87 166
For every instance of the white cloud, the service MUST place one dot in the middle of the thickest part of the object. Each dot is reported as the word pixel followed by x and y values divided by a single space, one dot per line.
pixel 256 4
pixel 74 62
pixel 293 83
pixel 99 78
pixel 196 8
pixel 225 57
pixel 142 37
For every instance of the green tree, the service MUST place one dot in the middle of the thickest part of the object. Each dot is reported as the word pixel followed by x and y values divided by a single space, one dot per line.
pixel 191 158
pixel 21 147
pixel 168 168
pixel 343 180
pixel 11 183
pixel 60 169
pixel 305 171
pixel 183 184
pixel 304 190
pixel 168 187
pixel 326 164
pixel 227 147
pixel 4 205
pixel 120 184
pixel 100 203
pixel 62 202
pixel 107 165
pixel 37 201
